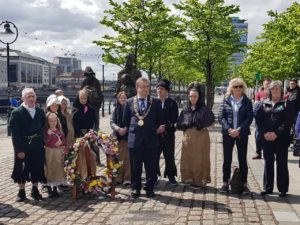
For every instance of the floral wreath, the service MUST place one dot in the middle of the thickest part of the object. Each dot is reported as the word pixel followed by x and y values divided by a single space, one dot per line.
pixel 103 182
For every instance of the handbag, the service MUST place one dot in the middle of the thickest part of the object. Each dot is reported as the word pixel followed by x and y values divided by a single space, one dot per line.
pixel 296 151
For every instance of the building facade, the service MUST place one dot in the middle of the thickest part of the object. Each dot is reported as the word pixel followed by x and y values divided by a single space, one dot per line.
pixel 3 73
pixel 67 64
pixel 29 71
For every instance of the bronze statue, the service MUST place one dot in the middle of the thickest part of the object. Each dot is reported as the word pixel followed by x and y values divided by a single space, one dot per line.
pixel 128 76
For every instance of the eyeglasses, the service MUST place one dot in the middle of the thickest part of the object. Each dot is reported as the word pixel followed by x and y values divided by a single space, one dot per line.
pixel 238 86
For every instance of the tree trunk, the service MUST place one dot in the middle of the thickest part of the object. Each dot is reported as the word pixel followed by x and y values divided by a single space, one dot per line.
pixel 210 91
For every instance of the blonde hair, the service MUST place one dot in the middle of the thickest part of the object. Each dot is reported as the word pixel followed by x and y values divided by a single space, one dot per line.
pixel 236 81
pixel 58 125
pixel 83 92
pixel 140 80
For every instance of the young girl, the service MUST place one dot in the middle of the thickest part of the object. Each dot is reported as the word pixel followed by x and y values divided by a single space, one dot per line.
pixel 117 126
pixel 64 104
pixel 56 149
pixel 84 118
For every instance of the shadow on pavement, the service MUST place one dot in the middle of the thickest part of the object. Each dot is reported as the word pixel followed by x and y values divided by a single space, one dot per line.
pixel 11 212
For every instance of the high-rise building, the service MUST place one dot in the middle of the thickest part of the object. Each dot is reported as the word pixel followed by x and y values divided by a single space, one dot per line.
pixel 67 65
pixel 238 57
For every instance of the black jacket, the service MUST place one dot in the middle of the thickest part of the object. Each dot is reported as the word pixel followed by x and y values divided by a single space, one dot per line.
pixel 116 122
pixel 83 122
pixel 245 115
pixel 200 118
pixel 294 101
pixel 274 118
pixel 170 116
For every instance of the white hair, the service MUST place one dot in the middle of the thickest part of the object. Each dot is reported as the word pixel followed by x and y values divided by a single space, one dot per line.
pixel 26 91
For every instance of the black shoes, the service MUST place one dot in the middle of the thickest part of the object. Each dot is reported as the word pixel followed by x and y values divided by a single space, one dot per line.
pixel 21 197
pixel 257 156
pixel 224 189
pixel 52 193
pixel 263 193
pixel 35 194
pixel 135 194
pixel 173 181
pixel 150 194
pixel 282 194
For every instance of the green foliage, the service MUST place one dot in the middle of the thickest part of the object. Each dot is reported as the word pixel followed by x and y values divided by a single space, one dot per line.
pixel 277 54
pixel 211 39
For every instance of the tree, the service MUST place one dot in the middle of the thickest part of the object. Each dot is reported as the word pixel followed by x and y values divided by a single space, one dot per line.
pixel 277 54
pixel 210 38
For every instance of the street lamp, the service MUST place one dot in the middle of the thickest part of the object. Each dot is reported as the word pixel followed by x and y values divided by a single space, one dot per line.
pixel 7 32
pixel 103 78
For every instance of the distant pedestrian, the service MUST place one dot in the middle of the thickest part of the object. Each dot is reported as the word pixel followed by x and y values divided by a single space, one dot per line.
pixel 27 124
pixel 235 117
pixel 274 119
pixel 195 154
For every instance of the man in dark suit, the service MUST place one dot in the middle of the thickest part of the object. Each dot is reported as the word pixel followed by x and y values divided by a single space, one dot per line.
pixel 167 138
pixel 143 120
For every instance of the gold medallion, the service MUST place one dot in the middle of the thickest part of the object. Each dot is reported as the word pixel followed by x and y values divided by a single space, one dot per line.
pixel 141 123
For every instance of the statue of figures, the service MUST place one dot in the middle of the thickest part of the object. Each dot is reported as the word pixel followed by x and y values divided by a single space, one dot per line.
pixel 128 76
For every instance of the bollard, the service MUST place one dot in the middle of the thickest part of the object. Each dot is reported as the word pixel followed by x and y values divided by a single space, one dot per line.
pixel 103 115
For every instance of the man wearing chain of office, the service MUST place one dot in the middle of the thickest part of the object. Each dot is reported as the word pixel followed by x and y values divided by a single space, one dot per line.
pixel 143 120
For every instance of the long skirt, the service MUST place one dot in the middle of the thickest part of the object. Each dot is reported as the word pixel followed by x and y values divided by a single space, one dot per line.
pixel 195 157
pixel 124 172
pixel 54 166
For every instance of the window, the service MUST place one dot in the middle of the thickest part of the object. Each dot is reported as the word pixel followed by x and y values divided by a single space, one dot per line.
pixel 23 72
pixel 29 73
pixel 34 74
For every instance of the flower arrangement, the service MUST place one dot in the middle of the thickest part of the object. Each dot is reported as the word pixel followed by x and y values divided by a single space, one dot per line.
pixel 103 182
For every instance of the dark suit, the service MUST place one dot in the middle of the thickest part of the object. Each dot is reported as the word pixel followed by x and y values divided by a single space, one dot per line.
pixel 143 143
pixel 167 139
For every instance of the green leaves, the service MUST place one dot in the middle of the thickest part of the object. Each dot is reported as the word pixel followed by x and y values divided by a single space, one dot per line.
pixel 277 53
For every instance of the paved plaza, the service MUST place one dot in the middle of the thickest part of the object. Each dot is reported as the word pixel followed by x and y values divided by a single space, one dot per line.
pixel 173 205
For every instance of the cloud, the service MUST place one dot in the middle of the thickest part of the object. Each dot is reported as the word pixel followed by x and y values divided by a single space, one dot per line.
pixel 72 25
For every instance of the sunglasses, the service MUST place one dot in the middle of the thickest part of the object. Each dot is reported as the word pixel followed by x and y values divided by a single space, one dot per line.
pixel 238 86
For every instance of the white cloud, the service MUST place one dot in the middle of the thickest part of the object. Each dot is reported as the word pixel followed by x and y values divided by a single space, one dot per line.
pixel 74 24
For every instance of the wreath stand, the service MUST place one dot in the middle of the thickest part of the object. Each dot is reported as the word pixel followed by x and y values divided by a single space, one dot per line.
pixel 76 164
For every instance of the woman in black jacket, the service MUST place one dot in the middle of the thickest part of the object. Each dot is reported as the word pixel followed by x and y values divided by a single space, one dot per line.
pixel 274 119
pixel 235 116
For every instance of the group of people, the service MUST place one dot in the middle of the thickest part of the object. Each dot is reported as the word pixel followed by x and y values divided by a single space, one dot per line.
pixel 145 128
pixel 42 138
pixel 274 115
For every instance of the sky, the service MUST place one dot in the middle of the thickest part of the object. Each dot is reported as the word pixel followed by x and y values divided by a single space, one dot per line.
pixel 50 28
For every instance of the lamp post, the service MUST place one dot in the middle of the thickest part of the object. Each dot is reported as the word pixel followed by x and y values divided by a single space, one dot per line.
pixel 101 63
pixel 7 32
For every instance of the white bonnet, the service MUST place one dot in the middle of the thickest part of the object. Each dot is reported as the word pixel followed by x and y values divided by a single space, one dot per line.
pixel 61 98
pixel 51 100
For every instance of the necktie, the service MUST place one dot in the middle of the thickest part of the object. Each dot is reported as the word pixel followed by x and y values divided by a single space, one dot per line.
pixel 143 106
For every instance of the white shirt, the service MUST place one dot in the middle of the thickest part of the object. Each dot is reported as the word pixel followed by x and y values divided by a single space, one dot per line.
pixel 30 110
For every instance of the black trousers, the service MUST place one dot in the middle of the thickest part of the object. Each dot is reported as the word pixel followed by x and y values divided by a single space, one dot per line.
pixel 277 150
pixel 258 141
pixel 167 147
pixel 242 147
pixel 146 155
